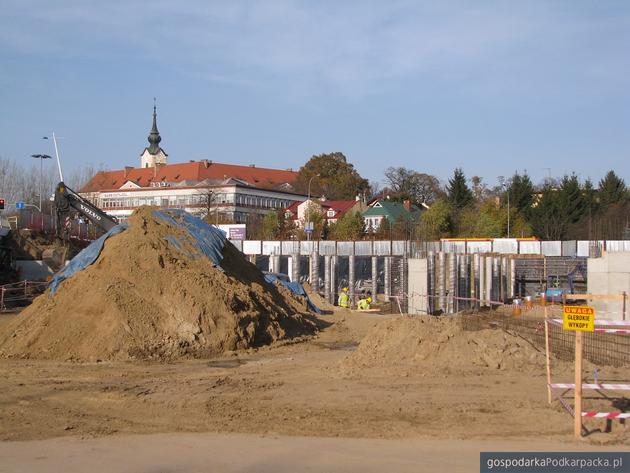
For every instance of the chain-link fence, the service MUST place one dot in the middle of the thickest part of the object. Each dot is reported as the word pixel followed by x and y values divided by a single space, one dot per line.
pixel 608 349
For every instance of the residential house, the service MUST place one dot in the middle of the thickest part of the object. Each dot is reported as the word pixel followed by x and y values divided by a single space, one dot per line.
pixel 330 210
pixel 392 211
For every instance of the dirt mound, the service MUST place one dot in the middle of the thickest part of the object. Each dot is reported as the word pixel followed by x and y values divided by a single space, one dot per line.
pixel 438 344
pixel 147 297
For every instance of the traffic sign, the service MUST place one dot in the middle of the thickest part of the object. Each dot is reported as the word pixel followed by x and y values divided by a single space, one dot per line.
pixel 19 205
pixel 578 318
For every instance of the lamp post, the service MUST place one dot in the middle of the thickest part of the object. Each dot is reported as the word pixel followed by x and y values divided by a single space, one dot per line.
pixel 41 158
pixel 308 208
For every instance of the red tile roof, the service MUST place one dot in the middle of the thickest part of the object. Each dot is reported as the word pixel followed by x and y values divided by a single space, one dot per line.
pixel 194 171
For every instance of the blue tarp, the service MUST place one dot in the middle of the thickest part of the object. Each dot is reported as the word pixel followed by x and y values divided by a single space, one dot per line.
pixel 207 239
pixel 295 288
pixel 85 258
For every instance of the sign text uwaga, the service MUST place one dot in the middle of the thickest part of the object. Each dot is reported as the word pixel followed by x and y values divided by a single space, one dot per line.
pixel 579 318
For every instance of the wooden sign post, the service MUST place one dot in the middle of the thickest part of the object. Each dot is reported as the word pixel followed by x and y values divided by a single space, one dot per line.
pixel 547 356
pixel 578 319
pixel 577 424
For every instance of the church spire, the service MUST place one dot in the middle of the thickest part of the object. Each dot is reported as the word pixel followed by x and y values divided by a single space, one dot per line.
pixel 154 136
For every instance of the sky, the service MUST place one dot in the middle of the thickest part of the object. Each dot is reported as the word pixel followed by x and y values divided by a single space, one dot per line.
pixel 493 87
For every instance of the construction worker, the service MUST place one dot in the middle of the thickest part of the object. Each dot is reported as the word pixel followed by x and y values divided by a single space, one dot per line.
pixel 344 300
pixel 364 304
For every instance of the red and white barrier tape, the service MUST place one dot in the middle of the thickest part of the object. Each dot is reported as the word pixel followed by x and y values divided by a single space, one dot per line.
pixel 616 387
pixel 607 415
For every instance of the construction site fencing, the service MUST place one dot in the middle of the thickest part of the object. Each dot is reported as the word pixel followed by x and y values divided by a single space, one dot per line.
pixel 420 249
pixel 602 349
pixel 20 294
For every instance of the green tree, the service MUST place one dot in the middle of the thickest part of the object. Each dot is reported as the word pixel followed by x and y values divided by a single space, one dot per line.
pixel 459 194
pixel 547 217
pixel 276 226
pixel 612 189
pixel 331 175
pixel 435 223
pixel 521 192
pixel 350 226
pixel 571 199
pixel 415 186
pixel 490 221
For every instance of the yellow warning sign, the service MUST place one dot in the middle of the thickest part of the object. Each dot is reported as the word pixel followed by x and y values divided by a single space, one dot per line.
pixel 579 318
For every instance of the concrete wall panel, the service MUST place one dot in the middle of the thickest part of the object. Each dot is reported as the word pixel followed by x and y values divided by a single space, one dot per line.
pixel 418 288
pixel 252 247
pixel 551 248
pixel 529 247
pixel 271 248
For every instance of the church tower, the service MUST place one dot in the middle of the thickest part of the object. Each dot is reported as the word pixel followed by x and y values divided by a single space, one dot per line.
pixel 153 154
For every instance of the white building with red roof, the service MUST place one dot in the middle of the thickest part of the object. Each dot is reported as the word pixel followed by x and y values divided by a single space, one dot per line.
pixel 330 210
pixel 229 192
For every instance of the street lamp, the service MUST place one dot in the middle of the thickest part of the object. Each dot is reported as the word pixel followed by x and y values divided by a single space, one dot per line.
pixel 308 208
pixel 41 158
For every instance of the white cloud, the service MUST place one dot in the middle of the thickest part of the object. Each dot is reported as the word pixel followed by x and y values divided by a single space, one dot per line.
pixel 349 48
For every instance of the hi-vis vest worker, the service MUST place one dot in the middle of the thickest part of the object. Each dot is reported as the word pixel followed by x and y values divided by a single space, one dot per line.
pixel 364 304
pixel 344 300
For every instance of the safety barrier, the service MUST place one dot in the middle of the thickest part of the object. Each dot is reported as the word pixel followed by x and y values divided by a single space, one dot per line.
pixel 557 390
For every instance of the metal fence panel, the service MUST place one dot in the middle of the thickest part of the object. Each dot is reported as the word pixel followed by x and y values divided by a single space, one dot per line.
pixel 345 248
pixel 479 247
pixel 617 245
pixel 551 248
pixel 505 245
pixel 327 247
pixel 252 247
pixel 382 248
pixel 529 247
pixel 307 247
pixel 454 246
pixel 363 248
pixel 583 248
pixel 433 246
pixel 569 248
pixel 290 247
pixel 271 248
pixel 399 247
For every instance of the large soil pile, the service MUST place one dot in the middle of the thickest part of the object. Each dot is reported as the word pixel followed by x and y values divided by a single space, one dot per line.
pixel 439 344
pixel 144 298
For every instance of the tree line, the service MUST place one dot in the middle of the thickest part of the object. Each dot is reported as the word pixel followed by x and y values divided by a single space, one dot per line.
pixel 566 208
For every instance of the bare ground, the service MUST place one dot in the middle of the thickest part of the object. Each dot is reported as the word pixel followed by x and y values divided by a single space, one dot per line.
pixel 293 389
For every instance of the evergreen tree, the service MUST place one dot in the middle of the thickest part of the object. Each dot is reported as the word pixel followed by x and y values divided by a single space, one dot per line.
pixel 459 194
pixel 612 189
pixel 521 192
pixel 571 199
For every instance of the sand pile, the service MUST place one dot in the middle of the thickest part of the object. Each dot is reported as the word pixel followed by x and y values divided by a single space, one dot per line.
pixel 439 344
pixel 148 298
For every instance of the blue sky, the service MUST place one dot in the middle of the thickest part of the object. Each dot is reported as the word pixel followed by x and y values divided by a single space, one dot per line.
pixel 492 87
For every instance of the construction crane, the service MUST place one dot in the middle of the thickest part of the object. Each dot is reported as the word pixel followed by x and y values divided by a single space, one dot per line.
pixel 67 200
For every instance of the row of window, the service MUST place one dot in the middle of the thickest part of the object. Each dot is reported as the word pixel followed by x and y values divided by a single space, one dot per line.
pixel 194 199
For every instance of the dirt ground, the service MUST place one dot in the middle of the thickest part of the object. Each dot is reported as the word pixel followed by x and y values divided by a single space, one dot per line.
pixel 297 389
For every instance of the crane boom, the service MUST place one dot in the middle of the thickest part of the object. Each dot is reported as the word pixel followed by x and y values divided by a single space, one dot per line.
pixel 67 200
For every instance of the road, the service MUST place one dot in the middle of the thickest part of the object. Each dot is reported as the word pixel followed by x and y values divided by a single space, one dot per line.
pixel 238 453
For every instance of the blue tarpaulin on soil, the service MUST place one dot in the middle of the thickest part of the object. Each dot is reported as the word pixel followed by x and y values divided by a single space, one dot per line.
pixel 295 288
pixel 85 258
pixel 203 239
pixel 207 239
